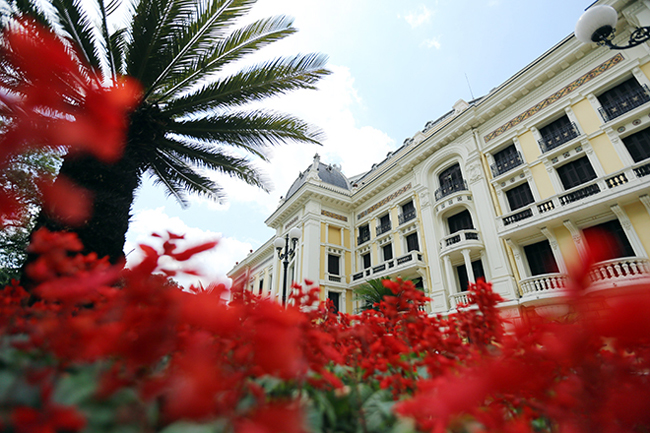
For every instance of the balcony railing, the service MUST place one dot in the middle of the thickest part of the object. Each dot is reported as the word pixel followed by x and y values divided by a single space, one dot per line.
pixel 626 267
pixel 628 101
pixel 383 228
pixel 506 164
pixel 579 194
pixel 413 258
pixel 542 284
pixel 526 213
pixel 458 298
pixel 559 137
pixel 363 237
pixel 334 278
pixel 458 237
pixel 406 216
pixel 450 188
pixel 642 171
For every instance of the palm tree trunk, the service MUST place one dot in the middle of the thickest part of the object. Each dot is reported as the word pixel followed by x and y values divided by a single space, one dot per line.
pixel 112 188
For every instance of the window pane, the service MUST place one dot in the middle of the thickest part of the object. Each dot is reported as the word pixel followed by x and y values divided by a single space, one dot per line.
pixel 412 242
pixel 519 196
pixel 408 207
pixel 638 145
pixel 333 264
pixel 463 278
pixel 576 173
pixel 540 258
pixel 611 237
pixel 335 297
pixel 460 221
pixel 388 252
pixel 366 260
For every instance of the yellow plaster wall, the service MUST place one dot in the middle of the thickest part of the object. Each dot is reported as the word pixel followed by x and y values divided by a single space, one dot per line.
pixel 606 153
pixel 346 238
pixel 646 69
pixel 323 232
pixel 348 301
pixel 542 181
pixel 529 146
pixel 348 265
pixel 640 221
pixel 567 246
pixel 587 116
pixel 334 236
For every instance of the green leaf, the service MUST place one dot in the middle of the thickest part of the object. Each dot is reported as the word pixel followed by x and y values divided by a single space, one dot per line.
pixel 76 388
pixel 189 427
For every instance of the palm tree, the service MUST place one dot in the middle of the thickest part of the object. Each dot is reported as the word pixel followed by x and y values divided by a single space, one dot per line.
pixel 195 116
pixel 371 294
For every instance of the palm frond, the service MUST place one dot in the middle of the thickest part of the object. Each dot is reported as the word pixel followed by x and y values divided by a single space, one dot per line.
pixel 149 34
pixel 258 82
pixel 198 33
pixel 180 179
pixel 106 38
pixel 249 130
pixel 210 158
pixel 26 7
pixel 117 45
pixel 222 51
pixel 79 29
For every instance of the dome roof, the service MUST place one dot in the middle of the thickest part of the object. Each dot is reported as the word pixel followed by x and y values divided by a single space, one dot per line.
pixel 330 174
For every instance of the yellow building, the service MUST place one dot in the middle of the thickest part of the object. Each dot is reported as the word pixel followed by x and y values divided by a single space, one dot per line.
pixel 507 187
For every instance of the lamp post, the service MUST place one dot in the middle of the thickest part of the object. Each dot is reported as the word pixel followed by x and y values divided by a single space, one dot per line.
pixel 598 24
pixel 288 253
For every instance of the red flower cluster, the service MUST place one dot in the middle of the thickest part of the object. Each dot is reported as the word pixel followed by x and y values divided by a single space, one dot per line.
pixel 63 105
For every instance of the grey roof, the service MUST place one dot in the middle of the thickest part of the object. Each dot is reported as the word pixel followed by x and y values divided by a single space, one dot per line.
pixel 330 174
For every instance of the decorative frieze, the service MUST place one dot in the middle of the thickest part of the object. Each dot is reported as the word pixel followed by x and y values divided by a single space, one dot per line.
pixel 384 201
pixel 556 96
pixel 333 215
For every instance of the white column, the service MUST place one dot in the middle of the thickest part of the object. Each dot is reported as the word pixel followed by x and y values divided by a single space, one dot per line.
pixel 632 236
pixel 311 250
pixel 555 248
pixel 451 281
pixel 516 251
pixel 468 265
pixel 578 240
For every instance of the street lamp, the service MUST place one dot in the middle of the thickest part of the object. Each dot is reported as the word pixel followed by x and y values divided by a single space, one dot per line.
pixel 283 244
pixel 598 24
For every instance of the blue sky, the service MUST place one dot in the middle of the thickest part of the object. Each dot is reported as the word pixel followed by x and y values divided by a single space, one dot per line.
pixel 396 65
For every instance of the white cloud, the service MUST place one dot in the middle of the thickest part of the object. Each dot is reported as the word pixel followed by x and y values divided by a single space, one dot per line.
pixel 431 43
pixel 212 265
pixel 421 16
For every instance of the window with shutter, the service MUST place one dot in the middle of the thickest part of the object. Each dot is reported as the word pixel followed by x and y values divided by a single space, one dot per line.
pixel 519 196
pixel 576 173
pixel 638 145
pixel 540 258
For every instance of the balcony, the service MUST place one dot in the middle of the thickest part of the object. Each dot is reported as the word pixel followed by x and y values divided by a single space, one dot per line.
pixel 458 298
pixel 383 228
pixel 410 260
pixel 507 164
pixel 559 137
pixel 406 216
pixel 334 278
pixel 607 187
pixel 626 102
pixel 450 188
pixel 579 193
pixel 363 238
pixel 618 272
pixel 542 284
pixel 460 239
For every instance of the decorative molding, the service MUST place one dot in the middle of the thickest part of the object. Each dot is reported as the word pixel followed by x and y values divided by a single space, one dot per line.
pixel 292 222
pixel 333 215
pixel 384 201
pixel 556 96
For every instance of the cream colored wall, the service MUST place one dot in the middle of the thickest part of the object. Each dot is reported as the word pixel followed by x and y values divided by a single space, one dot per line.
pixel 346 238
pixel 349 307
pixel 542 181
pixel 322 262
pixel 606 153
pixel 529 146
pixel 567 246
pixel 348 265
pixel 587 116
pixel 640 220
pixel 646 69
